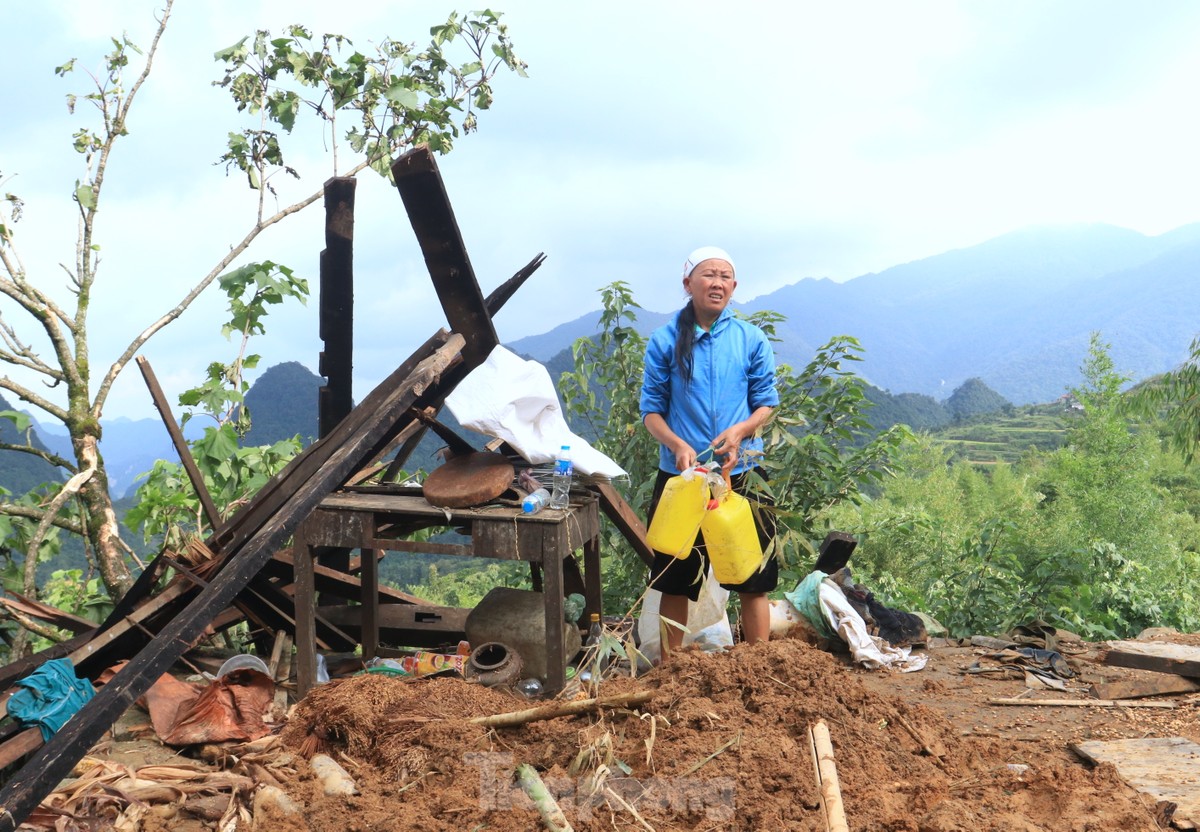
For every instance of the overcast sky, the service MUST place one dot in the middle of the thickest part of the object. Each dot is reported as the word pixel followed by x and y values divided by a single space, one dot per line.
pixel 808 139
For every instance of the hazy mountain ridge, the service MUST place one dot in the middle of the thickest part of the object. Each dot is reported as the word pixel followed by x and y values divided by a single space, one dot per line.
pixel 1017 311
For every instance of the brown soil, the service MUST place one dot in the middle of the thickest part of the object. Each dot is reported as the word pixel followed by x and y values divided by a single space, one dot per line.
pixel 724 745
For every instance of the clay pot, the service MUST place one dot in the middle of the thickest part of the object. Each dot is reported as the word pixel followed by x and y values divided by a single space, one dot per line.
pixel 494 665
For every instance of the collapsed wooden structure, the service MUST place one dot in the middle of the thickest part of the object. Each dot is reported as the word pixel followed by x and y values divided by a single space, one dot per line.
pixel 242 571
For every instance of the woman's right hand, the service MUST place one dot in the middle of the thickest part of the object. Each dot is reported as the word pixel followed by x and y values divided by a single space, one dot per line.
pixel 685 456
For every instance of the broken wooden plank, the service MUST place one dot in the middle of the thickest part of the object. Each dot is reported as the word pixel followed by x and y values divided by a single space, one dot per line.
pixel 44 612
pixel 1162 767
pixel 625 519
pixel 26 788
pixel 425 199
pixel 1081 703
pixel 17 747
pixel 181 445
pixel 1161 657
pixel 1162 684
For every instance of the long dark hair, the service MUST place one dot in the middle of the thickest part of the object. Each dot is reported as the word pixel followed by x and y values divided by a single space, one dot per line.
pixel 685 339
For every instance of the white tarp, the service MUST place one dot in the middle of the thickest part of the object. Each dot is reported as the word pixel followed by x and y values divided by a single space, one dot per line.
pixel 513 399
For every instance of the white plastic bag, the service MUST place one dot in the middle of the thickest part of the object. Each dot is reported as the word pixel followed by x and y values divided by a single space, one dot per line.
pixel 708 621
pixel 513 399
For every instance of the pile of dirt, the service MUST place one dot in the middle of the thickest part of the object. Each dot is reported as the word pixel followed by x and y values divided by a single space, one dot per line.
pixel 722 745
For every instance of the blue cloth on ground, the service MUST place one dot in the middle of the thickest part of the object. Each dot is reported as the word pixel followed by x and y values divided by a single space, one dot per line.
pixel 806 598
pixel 49 696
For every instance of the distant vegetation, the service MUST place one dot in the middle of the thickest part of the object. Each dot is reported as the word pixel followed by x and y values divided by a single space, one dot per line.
pixel 22 472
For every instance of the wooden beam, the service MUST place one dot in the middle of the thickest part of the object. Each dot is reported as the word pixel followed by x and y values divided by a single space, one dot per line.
pixel 424 195
pixel 23 743
pixel 336 328
pixel 28 786
pixel 1158 656
pixel 1161 684
pixel 625 519
pixel 181 446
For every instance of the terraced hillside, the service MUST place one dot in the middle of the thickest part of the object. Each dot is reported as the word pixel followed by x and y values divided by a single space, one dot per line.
pixel 986 440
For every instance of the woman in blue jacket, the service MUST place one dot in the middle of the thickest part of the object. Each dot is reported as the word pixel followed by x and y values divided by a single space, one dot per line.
pixel 709 382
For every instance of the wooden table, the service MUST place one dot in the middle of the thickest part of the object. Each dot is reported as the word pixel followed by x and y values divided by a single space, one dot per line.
pixel 372 520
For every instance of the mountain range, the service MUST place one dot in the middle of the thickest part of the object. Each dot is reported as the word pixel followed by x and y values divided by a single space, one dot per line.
pixel 1011 316
pixel 1016 312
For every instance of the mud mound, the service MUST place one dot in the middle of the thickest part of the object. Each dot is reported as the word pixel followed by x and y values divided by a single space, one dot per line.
pixel 723 745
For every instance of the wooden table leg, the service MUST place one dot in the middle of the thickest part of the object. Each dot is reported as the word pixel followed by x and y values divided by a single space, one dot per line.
pixel 369 633
pixel 556 663
pixel 593 588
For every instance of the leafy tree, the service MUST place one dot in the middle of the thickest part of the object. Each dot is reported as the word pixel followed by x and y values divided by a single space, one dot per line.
pixel 399 95
pixel 1177 395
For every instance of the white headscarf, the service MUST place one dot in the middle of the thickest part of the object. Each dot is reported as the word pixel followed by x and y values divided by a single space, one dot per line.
pixel 705 253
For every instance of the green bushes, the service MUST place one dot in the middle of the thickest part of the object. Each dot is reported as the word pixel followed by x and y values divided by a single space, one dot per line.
pixel 1099 536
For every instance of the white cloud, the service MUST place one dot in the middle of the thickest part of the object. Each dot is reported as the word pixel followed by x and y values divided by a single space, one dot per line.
pixel 810 139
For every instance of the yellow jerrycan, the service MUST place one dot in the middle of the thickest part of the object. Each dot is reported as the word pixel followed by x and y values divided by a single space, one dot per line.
pixel 680 509
pixel 731 539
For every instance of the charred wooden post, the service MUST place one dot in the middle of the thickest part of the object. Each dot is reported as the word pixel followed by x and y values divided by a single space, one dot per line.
pixel 428 206
pixel 336 361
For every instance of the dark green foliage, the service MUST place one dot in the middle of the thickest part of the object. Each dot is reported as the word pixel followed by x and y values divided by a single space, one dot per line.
pixel 1099 535
pixel 282 404
pixel 918 411
pixel 974 398
pixel 21 472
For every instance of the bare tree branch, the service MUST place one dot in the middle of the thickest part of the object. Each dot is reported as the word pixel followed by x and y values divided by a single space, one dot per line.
pixel 53 459
pixel 35 513
pixel 26 395
pixel 136 345
pixel 69 489
pixel 38 629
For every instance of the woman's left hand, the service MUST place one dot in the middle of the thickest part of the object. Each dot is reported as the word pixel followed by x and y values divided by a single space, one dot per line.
pixel 727 444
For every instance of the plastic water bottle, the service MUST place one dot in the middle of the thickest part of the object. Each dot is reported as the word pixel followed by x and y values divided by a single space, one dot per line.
pixel 535 502
pixel 563 471
pixel 530 688
pixel 595 631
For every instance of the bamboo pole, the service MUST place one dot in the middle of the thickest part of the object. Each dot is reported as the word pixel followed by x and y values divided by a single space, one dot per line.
pixel 557 709
pixel 546 805
pixel 827 779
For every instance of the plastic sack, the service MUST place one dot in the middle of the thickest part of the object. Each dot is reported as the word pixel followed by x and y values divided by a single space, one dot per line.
pixel 513 399
pixel 708 621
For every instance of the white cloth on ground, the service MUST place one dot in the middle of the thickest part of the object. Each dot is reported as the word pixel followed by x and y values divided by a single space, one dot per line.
pixel 870 651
